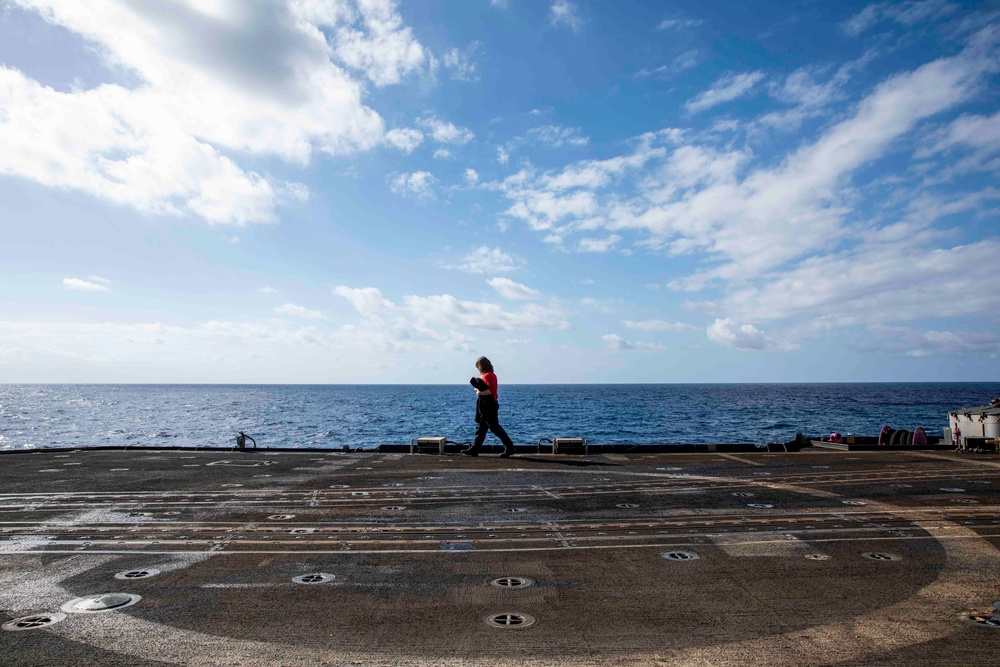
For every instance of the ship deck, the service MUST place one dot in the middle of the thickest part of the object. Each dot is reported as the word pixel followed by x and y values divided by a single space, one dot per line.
pixel 808 558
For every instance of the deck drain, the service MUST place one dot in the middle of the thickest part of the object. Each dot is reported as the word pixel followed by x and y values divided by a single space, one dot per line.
pixel 32 622
pixel 880 555
pixel 281 517
pixel 627 506
pixel 514 509
pixel 513 582
pixel 139 514
pixel 953 490
pixel 760 506
pixel 680 555
pixel 393 508
pixel 966 501
pixel 854 503
pixel 96 604
pixel 137 574
pixel 510 620
pixel 817 557
pixel 314 578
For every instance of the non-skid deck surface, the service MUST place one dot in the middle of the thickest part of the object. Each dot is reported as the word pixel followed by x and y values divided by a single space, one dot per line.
pixel 804 558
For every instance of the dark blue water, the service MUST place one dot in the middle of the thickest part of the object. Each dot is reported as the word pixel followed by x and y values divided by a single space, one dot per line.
pixel 36 416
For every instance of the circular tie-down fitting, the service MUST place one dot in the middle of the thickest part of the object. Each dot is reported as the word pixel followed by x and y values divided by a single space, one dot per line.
pixel 760 506
pixel 881 555
pixel 314 578
pixel 514 509
pixel 393 508
pixel 32 622
pixel 281 517
pixel 965 501
pixel 514 620
pixel 742 494
pixel 680 555
pixel 509 583
pixel 137 574
pixel 302 531
pixel 952 490
pixel 627 506
pixel 854 503
pixel 817 557
pixel 96 604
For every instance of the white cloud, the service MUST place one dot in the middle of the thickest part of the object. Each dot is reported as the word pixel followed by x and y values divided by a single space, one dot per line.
pixel 489 261
pixel 446 310
pixel 460 63
pixel 512 290
pixel 259 75
pixel 906 13
pixel 419 184
pixel 91 285
pixel 269 350
pixel 598 245
pixel 268 290
pixel 678 24
pixel 381 46
pixel 681 63
pixel 299 311
pixel 616 342
pixel 405 139
pixel 659 325
pixel 368 301
pixel 558 136
pixel 925 343
pixel 442 154
pixel 605 306
pixel 564 12
pixel 861 21
pixel 447 133
pixel 503 155
pixel 744 337
pixel 725 89
pixel 541 210
pixel 775 214
pixel 886 280
pixel 471 176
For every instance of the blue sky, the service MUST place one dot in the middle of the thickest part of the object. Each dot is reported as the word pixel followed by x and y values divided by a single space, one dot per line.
pixel 584 191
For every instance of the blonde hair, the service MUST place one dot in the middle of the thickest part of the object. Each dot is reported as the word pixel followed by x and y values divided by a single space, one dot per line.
pixel 484 365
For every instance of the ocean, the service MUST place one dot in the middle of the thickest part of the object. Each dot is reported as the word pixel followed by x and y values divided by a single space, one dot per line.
pixel 40 416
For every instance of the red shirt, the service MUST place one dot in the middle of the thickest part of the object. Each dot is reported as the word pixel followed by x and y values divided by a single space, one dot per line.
pixel 491 380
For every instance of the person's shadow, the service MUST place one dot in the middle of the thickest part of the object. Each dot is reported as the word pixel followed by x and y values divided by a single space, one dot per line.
pixel 566 462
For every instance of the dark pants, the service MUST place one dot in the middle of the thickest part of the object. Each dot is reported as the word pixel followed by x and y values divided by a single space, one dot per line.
pixel 489 420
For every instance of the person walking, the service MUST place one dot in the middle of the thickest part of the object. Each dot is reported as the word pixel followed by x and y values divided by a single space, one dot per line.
pixel 487 410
